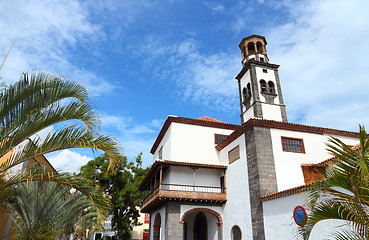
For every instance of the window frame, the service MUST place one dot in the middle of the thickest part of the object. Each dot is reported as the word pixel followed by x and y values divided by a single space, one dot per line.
pixel 160 153
pixel 215 137
pixel 239 155
pixel 234 226
pixel 292 138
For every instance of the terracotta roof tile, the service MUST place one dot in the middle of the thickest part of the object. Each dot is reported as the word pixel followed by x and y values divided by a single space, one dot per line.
pixel 191 121
pixel 263 123
pixel 287 192
pixel 209 119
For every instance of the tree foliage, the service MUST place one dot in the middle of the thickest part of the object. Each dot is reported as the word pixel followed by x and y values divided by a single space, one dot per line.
pixel 343 193
pixel 40 100
pixel 48 210
pixel 121 187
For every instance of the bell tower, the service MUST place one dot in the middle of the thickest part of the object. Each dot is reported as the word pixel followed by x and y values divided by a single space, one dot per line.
pixel 259 86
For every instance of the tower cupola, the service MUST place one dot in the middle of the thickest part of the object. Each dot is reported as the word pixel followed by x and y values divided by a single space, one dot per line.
pixel 259 85
pixel 253 47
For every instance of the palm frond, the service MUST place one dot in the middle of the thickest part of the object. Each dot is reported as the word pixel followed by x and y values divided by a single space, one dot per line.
pixel 343 193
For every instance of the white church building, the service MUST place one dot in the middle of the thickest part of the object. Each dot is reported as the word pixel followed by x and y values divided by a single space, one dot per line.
pixel 211 180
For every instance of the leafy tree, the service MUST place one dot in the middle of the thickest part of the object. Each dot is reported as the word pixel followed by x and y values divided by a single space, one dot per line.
pixel 343 193
pixel 121 186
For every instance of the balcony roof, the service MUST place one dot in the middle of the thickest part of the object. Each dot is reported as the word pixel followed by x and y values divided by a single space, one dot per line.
pixel 166 163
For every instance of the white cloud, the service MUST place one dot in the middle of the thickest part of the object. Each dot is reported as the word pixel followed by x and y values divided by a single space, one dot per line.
pixel 322 52
pixel 67 160
pixel 214 7
pixel 134 137
pixel 43 33
pixel 205 79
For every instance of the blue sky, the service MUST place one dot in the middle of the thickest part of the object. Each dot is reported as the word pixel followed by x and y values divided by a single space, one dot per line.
pixel 143 60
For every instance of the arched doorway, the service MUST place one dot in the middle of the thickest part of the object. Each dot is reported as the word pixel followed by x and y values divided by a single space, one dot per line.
pixel 157 226
pixel 200 228
pixel 193 220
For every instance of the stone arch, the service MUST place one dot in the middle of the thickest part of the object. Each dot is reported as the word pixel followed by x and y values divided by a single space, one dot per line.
pixel 251 48
pixel 216 214
pixel 157 226
pixel 271 87
pixel 249 89
pixel 263 86
pixel 259 47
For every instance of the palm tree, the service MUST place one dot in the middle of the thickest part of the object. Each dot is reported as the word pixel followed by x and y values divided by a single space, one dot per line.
pixel 40 100
pixel 343 192
pixel 47 210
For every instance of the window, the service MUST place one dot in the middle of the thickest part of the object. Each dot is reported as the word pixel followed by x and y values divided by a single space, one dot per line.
pixel 249 89
pixel 293 145
pixel 219 138
pixel 263 86
pixel 271 87
pixel 147 218
pixel 234 154
pixel 251 48
pixel 265 71
pixel 160 154
pixel 244 92
pixel 259 47
pixel 261 59
pixel 236 233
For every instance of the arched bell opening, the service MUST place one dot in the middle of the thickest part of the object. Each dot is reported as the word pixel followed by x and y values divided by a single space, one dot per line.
pixel 263 86
pixel 259 47
pixel 251 48
pixel 271 87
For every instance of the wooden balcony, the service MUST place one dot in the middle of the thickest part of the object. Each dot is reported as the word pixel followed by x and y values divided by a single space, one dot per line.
pixel 183 193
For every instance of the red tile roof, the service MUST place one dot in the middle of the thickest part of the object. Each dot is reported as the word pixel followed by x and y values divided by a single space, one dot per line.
pixel 302 188
pixel 287 192
pixel 253 122
pixel 203 121
pixel 209 119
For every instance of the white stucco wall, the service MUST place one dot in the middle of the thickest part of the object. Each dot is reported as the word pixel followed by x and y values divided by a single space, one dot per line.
pixel 184 176
pixel 271 111
pixel 279 222
pixel 246 78
pixel 236 211
pixel 191 143
pixel 166 143
pixel 248 114
pixel 152 219
pixel 288 164
pixel 269 76
pixel 208 177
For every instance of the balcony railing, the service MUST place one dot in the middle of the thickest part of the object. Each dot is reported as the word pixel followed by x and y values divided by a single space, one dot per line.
pixel 191 188
pixel 184 192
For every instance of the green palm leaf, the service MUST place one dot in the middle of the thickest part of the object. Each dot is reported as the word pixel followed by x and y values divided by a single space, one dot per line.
pixel 343 192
